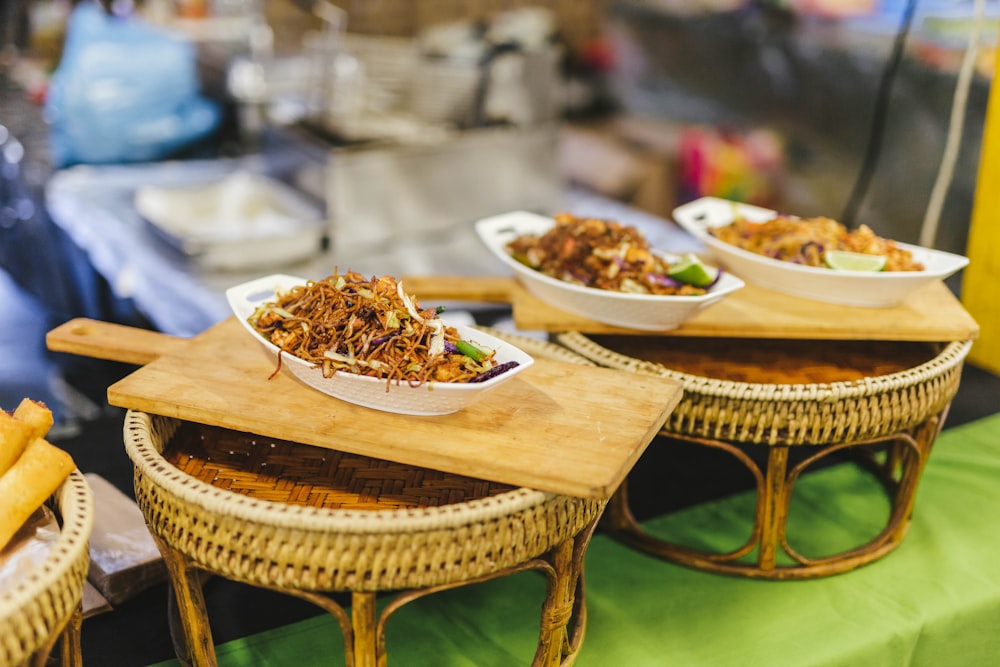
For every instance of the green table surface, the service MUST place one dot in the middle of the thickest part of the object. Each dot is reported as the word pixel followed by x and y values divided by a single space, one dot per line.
pixel 933 602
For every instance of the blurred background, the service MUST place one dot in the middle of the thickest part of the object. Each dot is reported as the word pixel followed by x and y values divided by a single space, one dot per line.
pixel 128 127
pixel 776 102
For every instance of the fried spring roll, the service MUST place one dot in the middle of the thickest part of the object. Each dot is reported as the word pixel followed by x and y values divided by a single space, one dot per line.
pixel 36 415
pixel 30 481
pixel 14 438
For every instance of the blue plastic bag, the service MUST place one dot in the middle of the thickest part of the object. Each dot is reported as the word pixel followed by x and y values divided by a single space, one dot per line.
pixel 124 91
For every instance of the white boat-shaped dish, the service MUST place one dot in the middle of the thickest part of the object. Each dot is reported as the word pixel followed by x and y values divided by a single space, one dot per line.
pixel 883 289
pixel 429 398
pixel 646 312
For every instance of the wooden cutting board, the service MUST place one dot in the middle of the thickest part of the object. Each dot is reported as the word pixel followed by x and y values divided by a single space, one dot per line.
pixel 932 313
pixel 558 426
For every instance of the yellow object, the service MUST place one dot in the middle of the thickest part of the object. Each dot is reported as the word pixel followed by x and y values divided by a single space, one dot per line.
pixel 31 468
pixel 36 416
pixel 979 282
pixel 33 478
pixel 30 420
pixel 41 613
pixel 14 437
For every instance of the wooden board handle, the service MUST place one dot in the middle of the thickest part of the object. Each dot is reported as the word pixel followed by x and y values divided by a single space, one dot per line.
pixel 489 289
pixel 106 340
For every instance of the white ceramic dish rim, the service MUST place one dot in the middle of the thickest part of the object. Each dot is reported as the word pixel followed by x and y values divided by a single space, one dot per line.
pixel 944 263
pixel 490 230
pixel 245 297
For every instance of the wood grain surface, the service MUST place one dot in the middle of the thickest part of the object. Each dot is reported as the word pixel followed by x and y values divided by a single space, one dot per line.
pixel 932 313
pixel 558 427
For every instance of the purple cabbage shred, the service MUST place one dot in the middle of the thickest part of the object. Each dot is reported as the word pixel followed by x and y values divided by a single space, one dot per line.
pixel 495 371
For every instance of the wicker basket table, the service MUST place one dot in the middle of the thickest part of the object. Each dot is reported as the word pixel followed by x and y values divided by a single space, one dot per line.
pixel 45 607
pixel 880 403
pixel 309 521
pixel 306 521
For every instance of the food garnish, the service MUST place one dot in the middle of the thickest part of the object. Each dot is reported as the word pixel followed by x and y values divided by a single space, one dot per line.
pixel 605 255
pixel 842 260
pixel 691 270
pixel 371 327
pixel 809 241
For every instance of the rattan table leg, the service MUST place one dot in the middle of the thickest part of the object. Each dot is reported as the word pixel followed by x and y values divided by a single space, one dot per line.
pixel 68 639
pixel 363 620
pixel 185 580
pixel 564 612
pixel 70 652
pixel 40 658
pixel 484 533
pixel 618 517
pixel 905 454
pixel 772 510
pixel 557 609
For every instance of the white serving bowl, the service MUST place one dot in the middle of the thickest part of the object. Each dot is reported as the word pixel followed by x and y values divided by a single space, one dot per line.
pixel 883 289
pixel 429 398
pixel 647 312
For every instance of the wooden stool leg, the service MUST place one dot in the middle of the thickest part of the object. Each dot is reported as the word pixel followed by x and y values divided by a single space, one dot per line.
pixel 363 619
pixel 564 612
pixel 618 515
pixel 185 580
pixel 68 639
pixel 772 508
pixel 557 610
pixel 40 657
pixel 70 653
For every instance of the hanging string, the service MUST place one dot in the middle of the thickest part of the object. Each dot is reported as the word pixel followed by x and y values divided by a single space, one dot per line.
pixel 879 117
pixel 932 217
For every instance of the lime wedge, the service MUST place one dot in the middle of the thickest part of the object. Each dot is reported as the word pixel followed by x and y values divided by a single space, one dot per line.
pixel 690 270
pixel 842 260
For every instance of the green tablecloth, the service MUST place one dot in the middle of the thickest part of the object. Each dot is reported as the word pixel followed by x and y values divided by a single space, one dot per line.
pixel 934 601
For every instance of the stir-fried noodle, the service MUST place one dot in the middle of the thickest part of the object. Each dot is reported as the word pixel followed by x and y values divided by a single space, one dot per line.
pixel 805 240
pixel 371 327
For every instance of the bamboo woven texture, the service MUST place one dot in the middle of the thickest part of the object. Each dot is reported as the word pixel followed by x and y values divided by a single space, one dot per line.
pixel 789 392
pixel 882 402
pixel 309 521
pixel 35 611
pixel 294 535
pixel 280 513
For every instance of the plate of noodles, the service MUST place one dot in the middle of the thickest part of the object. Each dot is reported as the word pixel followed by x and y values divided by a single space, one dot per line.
pixel 602 270
pixel 813 257
pixel 366 341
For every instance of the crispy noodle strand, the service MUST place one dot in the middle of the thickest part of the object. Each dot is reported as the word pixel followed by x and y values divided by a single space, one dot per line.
pixel 366 326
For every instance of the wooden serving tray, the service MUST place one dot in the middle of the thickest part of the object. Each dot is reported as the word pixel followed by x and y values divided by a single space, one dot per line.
pixel 930 314
pixel 559 427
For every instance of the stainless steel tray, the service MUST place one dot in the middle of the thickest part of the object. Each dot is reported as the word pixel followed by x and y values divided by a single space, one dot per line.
pixel 243 220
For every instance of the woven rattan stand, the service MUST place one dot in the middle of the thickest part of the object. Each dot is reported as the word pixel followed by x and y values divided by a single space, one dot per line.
pixel 308 521
pixel 883 403
pixel 45 607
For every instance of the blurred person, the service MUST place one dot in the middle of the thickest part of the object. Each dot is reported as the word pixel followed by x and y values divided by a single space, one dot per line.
pixel 124 91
